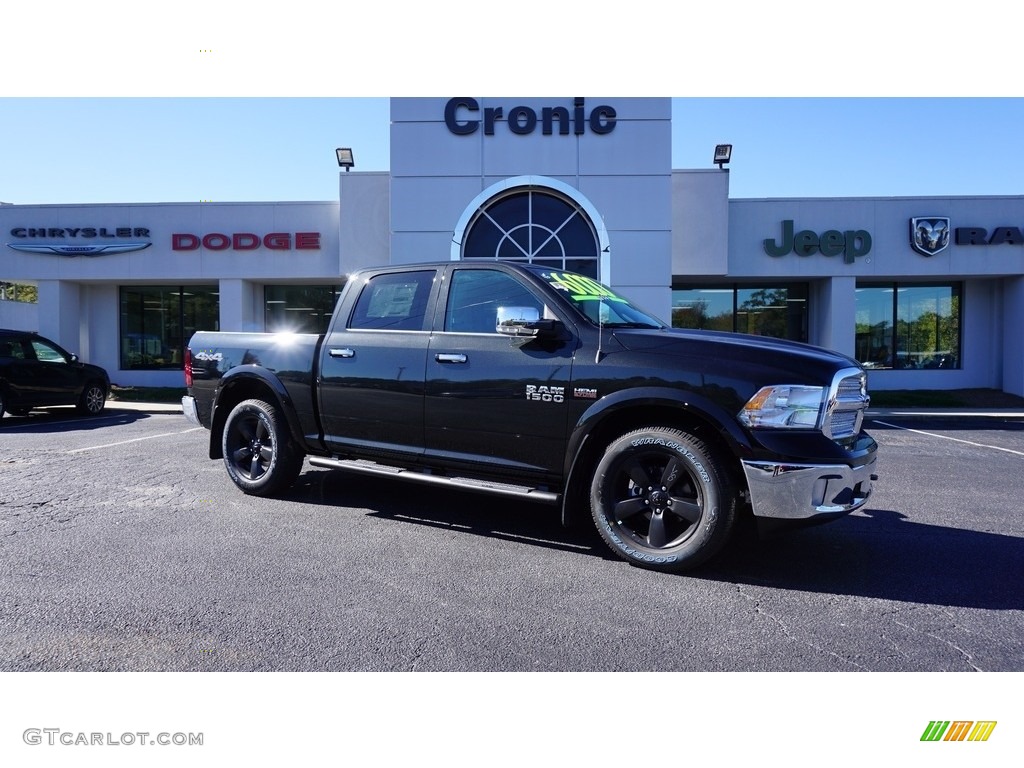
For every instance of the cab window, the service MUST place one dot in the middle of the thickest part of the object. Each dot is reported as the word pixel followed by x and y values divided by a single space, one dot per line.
pixel 393 302
pixel 476 294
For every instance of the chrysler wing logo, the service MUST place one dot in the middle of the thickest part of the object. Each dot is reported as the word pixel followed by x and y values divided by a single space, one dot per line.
pixel 79 250
pixel 929 234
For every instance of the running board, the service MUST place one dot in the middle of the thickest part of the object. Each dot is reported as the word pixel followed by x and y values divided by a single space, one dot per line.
pixel 466 483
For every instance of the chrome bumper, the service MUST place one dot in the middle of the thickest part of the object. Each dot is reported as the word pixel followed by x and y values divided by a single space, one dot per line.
pixel 188 407
pixel 805 491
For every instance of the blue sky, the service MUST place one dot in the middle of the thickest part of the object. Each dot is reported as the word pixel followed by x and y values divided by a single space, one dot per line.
pixel 126 149
pixel 893 100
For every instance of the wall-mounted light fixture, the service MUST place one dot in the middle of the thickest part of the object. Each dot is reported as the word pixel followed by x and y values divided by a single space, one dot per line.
pixel 345 158
pixel 723 153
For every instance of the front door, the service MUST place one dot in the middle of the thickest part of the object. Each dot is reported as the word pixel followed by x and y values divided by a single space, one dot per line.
pixel 492 399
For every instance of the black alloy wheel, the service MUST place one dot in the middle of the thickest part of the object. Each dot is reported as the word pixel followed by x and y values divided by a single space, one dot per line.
pixel 258 451
pixel 661 499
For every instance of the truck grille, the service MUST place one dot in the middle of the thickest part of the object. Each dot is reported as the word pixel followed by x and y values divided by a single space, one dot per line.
pixel 848 399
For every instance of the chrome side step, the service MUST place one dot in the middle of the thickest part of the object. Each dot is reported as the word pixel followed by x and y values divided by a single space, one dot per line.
pixel 365 467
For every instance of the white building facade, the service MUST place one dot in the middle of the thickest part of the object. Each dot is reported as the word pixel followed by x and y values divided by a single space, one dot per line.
pixel 927 292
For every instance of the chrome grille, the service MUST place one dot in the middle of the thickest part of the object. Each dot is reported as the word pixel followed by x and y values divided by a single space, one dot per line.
pixel 850 388
pixel 848 399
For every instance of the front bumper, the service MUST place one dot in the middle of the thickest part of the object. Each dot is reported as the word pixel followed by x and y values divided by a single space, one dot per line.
pixel 188 407
pixel 785 491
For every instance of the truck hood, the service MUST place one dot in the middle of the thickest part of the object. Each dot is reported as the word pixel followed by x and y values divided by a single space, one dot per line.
pixel 786 357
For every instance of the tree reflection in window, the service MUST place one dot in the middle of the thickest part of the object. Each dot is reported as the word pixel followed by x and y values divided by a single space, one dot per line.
pixel 779 311
pixel 909 326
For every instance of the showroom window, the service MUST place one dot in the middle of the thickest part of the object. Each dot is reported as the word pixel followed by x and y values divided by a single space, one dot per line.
pixel 909 326
pixel 158 321
pixel 779 311
pixel 536 226
pixel 299 308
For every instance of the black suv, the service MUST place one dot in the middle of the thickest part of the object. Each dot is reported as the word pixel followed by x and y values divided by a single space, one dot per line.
pixel 36 372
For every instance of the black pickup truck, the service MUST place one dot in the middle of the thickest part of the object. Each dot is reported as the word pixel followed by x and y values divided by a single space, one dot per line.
pixel 543 385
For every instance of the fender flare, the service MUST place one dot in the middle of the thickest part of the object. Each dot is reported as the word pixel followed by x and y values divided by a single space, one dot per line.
pixel 250 376
pixel 678 403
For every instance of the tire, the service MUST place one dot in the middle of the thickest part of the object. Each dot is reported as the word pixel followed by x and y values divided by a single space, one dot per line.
pixel 3 403
pixel 259 454
pixel 661 499
pixel 93 399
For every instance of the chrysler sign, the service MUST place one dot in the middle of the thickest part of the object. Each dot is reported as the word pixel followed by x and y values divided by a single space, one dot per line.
pixel 79 241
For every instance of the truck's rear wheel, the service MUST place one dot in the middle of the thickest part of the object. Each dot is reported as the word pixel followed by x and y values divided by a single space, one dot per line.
pixel 258 451
pixel 661 499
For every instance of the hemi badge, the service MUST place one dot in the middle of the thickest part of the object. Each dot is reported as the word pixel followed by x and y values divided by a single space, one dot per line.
pixel 585 393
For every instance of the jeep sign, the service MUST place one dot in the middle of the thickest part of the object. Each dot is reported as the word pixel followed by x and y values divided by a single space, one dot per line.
pixel 851 243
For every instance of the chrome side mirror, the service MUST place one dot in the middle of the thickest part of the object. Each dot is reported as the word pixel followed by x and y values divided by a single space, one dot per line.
pixel 518 321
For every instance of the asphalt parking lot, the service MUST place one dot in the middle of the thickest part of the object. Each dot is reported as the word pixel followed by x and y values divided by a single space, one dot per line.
pixel 124 548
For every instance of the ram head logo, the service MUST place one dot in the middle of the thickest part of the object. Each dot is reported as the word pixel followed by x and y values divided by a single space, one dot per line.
pixel 929 234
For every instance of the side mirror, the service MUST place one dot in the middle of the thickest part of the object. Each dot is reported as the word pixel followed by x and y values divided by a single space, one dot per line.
pixel 522 321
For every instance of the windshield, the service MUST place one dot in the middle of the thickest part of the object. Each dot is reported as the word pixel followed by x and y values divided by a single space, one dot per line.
pixel 598 303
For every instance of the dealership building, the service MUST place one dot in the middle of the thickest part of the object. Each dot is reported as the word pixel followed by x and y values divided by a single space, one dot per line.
pixel 927 292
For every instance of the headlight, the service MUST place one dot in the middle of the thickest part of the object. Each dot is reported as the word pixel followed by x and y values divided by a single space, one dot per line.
pixel 788 406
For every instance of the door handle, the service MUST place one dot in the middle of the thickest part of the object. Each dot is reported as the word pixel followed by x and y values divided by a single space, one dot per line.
pixel 345 352
pixel 443 357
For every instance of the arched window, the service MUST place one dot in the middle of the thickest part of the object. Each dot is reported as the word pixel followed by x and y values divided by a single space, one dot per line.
pixel 537 226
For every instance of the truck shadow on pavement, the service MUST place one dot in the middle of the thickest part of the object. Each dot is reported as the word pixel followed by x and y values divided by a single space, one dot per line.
pixel 872 553
pixel 881 554
pixel 474 513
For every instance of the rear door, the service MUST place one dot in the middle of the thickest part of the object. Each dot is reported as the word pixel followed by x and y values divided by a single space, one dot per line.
pixel 372 365
pixel 491 399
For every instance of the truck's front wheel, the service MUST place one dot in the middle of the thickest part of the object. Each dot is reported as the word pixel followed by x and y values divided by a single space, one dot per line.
pixel 661 499
pixel 258 452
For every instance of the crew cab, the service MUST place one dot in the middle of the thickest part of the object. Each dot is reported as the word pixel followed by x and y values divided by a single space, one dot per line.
pixel 541 384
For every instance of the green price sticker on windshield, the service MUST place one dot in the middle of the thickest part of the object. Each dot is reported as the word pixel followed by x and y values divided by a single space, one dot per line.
pixel 582 288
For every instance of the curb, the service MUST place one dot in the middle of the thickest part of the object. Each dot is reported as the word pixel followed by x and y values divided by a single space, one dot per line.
pixel 128 405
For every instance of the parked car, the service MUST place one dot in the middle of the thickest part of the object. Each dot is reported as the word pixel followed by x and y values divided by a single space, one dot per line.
pixel 36 372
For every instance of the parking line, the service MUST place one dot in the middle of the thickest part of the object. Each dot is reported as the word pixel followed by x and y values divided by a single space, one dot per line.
pixel 135 440
pixel 946 437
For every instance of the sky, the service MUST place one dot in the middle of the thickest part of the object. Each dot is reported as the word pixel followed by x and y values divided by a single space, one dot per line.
pixel 59 150
pixel 204 103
